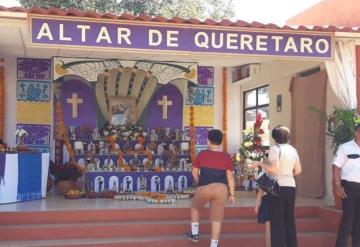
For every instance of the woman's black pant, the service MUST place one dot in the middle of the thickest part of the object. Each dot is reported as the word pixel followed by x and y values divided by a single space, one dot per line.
pixel 282 218
pixel 350 221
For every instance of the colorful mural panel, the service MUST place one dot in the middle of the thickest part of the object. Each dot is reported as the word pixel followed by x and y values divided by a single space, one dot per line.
pixel 35 91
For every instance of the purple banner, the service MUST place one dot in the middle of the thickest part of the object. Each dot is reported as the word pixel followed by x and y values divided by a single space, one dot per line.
pixel 188 38
pixel 33 69
pixel 201 134
pixel 38 134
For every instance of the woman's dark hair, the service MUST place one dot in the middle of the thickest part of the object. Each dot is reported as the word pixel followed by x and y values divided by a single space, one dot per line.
pixel 215 137
pixel 281 134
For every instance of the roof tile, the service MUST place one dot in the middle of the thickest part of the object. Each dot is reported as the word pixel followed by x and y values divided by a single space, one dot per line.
pixel 144 17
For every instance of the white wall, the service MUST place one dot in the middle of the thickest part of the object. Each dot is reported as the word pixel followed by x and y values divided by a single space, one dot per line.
pixel 277 74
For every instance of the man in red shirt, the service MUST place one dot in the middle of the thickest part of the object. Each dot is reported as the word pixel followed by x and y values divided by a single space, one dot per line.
pixel 213 173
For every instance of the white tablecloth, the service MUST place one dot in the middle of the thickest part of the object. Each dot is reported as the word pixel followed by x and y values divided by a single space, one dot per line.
pixel 9 186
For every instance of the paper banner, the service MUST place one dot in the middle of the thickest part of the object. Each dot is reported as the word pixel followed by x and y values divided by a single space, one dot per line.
pixel 206 75
pixel 201 134
pixel 38 134
pixel 200 96
pixel 204 115
pixel 35 91
pixel 33 69
pixel 38 113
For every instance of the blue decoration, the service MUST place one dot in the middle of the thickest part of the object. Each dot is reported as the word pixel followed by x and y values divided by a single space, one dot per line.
pixel 34 91
pixel 200 96
pixel 29 179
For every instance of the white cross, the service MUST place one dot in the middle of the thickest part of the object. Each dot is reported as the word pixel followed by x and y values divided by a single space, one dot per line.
pixel 74 101
pixel 164 103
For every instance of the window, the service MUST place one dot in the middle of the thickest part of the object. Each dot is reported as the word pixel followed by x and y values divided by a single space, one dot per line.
pixel 256 101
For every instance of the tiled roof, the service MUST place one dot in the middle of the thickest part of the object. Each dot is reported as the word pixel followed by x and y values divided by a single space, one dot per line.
pixel 178 20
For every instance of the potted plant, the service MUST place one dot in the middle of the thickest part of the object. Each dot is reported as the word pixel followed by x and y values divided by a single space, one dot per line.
pixel 21 134
pixel 340 129
pixel 251 149
pixel 65 176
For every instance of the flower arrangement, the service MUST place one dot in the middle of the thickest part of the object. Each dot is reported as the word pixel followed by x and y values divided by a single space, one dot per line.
pixel 125 132
pixel 63 172
pixel 21 133
pixel 340 125
pixel 252 147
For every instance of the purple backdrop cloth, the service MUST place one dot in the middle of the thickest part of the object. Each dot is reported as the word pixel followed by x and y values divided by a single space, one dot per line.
pixel 2 165
pixel 86 111
pixel 175 111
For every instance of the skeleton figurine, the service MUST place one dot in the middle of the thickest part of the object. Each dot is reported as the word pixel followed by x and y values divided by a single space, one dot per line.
pixel 153 136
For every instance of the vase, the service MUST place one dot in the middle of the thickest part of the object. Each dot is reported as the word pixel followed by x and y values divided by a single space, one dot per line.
pixel 21 146
pixel 65 185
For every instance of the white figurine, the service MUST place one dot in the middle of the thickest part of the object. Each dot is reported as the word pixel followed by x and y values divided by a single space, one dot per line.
pixel 160 149
pixel 91 148
pixel 95 134
pixel 101 148
pixel 153 136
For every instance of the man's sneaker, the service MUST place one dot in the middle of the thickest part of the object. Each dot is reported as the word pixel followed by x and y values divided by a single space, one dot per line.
pixel 193 238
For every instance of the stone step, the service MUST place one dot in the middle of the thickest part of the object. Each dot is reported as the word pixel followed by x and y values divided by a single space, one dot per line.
pixel 135 214
pixel 136 229
pixel 318 239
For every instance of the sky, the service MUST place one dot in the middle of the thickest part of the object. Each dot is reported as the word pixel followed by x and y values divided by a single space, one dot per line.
pixel 264 11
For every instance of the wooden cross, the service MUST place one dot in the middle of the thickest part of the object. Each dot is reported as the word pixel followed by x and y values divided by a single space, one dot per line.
pixel 74 101
pixel 164 103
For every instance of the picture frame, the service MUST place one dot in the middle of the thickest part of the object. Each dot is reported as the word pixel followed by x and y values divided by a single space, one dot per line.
pixel 122 110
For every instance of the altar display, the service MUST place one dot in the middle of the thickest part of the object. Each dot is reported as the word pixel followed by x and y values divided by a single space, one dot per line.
pixel 123 122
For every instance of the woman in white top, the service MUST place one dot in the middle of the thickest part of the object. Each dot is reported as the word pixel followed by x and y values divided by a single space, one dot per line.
pixel 283 164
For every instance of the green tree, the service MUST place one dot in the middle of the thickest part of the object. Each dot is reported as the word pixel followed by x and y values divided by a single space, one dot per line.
pixel 201 9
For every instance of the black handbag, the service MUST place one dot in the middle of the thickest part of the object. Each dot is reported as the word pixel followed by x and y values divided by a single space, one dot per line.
pixel 265 183
pixel 269 184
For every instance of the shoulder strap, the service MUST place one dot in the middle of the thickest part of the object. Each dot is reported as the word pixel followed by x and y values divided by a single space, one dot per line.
pixel 279 151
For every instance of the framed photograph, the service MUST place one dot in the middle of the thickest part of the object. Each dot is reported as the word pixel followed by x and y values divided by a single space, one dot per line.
pixel 122 110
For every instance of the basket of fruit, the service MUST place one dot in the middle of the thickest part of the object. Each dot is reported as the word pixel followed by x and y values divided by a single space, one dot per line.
pixel 91 194
pixel 74 194
pixel 108 194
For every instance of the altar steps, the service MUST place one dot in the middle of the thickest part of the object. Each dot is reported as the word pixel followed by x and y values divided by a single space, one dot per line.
pixel 152 227
pixel 314 239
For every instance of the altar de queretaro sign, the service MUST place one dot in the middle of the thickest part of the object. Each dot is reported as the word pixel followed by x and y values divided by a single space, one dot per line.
pixel 87 33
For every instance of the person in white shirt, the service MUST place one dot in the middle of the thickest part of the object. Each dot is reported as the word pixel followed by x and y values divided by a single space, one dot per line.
pixel 346 185
pixel 283 164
